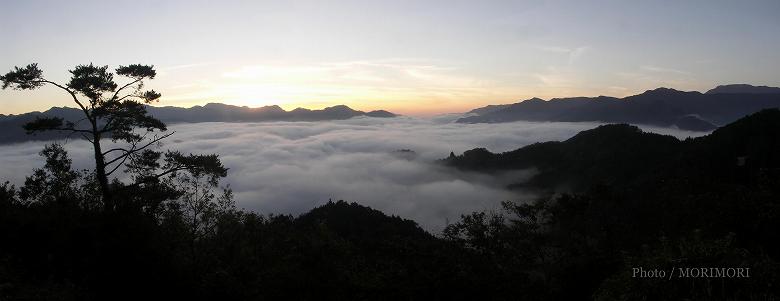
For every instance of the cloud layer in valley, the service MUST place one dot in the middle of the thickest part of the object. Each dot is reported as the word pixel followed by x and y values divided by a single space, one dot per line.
pixel 291 167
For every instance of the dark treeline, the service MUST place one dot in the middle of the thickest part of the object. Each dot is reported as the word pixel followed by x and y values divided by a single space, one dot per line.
pixel 714 204
pixel 636 199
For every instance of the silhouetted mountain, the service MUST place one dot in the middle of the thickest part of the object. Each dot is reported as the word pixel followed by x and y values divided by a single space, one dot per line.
pixel 361 224
pixel 12 130
pixel 228 113
pixel 743 89
pixel 212 112
pixel 487 109
pixel 406 154
pixel 623 155
pixel 381 114
pixel 660 107
pixel 633 199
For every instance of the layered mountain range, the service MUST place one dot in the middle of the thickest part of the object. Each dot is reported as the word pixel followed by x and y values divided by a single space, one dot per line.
pixel 12 131
pixel 622 155
pixel 665 107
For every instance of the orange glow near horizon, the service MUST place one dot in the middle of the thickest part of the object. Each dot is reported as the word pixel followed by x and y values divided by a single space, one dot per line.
pixel 424 110
pixel 415 58
pixel 406 87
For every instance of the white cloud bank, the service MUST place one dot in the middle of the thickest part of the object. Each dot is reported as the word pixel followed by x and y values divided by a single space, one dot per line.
pixel 291 167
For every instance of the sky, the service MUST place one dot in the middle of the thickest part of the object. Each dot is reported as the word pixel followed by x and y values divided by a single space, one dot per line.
pixel 410 57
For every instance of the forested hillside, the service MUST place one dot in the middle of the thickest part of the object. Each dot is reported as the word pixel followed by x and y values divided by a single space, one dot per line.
pixel 632 199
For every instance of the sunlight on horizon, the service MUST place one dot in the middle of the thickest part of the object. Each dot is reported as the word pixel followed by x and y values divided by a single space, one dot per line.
pixel 405 86
pixel 423 58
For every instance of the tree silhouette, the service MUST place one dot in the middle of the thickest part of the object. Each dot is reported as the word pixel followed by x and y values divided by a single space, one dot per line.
pixel 117 113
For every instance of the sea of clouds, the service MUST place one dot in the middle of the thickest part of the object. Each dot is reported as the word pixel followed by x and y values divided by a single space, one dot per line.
pixel 292 167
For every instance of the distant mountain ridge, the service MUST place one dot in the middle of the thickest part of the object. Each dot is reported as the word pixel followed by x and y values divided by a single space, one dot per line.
pixel 214 112
pixel 12 131
pixel 659 107
pixel 743 89
pixel 623 155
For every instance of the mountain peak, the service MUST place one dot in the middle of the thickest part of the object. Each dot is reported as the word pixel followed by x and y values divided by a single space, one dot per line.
pixel 535 99
pixel 55 110
pixel 380 113
pixel 339 108
pixel 300 110
pixel 662 91
pixel 272 108
pixel 743 89
pixel 216 105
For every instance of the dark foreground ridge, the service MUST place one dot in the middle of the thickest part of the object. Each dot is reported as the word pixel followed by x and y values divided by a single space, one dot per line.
pixel 623 155
pixel 633 201
pixel 660 107
pixel 12 130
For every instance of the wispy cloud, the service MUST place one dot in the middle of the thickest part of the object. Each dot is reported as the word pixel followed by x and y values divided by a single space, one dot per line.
pixel 647 77
pixel 554 77
pixel 167 71
pixel 576 53
pixel 573 54
pixel 658 69
pixel 352 73
pixel 386 84
pixel 554 49
pixel 185 66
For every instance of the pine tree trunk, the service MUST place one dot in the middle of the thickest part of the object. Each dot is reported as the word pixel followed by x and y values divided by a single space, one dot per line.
pixel 100 171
